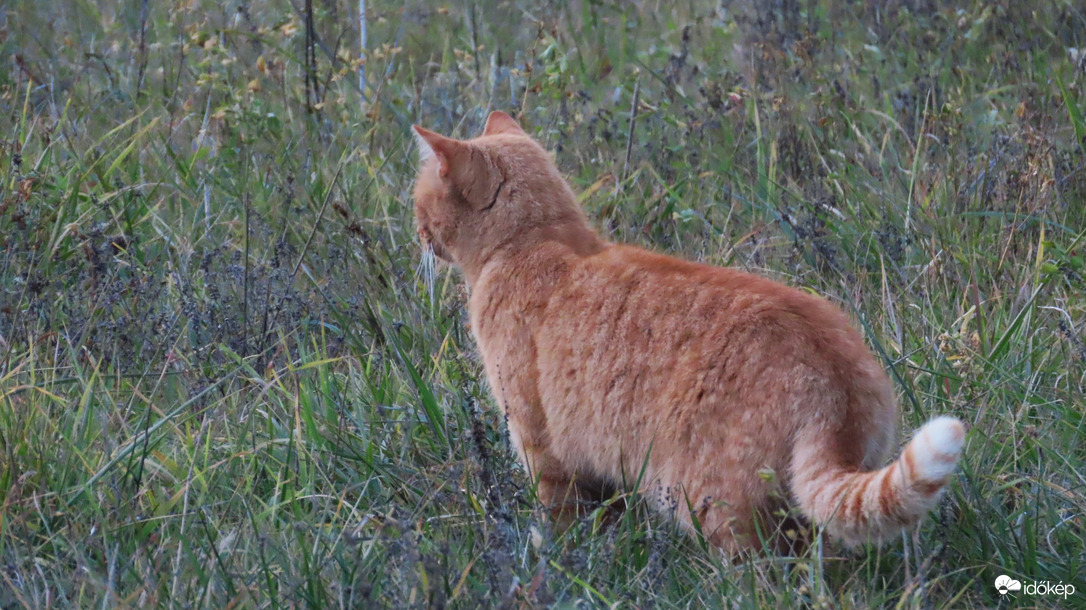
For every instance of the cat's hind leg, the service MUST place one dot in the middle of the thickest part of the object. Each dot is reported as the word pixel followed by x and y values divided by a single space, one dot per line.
pixel 735 517
pixel 570 497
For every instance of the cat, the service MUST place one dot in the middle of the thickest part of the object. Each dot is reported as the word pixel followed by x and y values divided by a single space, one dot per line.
pixel 720 396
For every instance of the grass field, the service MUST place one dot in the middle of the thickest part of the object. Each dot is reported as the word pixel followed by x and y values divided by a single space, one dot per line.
pixel 225 383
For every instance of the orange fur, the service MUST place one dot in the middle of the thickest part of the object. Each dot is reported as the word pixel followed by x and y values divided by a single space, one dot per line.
pixel 724 395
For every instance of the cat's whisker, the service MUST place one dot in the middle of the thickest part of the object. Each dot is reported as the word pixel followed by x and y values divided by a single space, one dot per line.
pixel 425 270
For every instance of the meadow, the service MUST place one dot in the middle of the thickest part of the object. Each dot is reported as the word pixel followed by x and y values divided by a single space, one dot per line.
pixel 227 379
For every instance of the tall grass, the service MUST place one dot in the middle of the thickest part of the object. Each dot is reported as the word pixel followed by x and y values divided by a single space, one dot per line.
pixel 224 381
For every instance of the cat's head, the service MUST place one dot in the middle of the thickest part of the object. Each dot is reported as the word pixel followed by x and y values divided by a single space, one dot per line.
pixel 474 196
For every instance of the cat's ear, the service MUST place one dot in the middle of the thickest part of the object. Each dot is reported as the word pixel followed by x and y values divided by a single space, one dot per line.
pixel 446 150
pixel 462 166
pixel 426 152
pixel 499 122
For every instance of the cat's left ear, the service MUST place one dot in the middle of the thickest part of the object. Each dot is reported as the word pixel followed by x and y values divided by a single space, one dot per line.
pixel 499 122
pixel 436 145
pixel 463 166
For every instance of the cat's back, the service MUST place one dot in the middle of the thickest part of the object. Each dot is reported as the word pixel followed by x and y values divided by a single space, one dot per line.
pixel 640 281
pixel 623 311
pixel 629 312
pixel 646 346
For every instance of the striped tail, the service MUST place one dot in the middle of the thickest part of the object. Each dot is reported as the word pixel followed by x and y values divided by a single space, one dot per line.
pixel 857 507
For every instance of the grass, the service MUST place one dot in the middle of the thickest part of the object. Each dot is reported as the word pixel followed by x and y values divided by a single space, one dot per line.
pixel 224 381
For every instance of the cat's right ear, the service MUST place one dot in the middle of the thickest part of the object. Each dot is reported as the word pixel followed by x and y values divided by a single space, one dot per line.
pixel 499 122
pixel 433 145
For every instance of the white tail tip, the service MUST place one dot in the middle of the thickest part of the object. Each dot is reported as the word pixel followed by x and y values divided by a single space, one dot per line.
pixel 937 447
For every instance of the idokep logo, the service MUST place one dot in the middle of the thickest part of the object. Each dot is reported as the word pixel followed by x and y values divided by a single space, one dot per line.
pixel 1007 585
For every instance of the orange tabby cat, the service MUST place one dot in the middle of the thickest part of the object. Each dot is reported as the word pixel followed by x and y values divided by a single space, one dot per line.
pixel 723 396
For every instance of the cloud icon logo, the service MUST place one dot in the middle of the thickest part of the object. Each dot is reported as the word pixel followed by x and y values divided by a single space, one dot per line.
pixel 1005 584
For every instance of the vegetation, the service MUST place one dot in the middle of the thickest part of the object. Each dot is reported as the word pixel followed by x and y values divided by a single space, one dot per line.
pixel 225 380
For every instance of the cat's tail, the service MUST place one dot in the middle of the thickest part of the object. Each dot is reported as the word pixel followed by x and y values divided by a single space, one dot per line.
pixel 857 507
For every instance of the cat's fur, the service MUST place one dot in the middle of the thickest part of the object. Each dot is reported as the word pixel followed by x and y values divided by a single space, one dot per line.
pixel 726 395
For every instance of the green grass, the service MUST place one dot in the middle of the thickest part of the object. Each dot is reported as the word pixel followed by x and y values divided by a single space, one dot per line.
pixel 224 381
